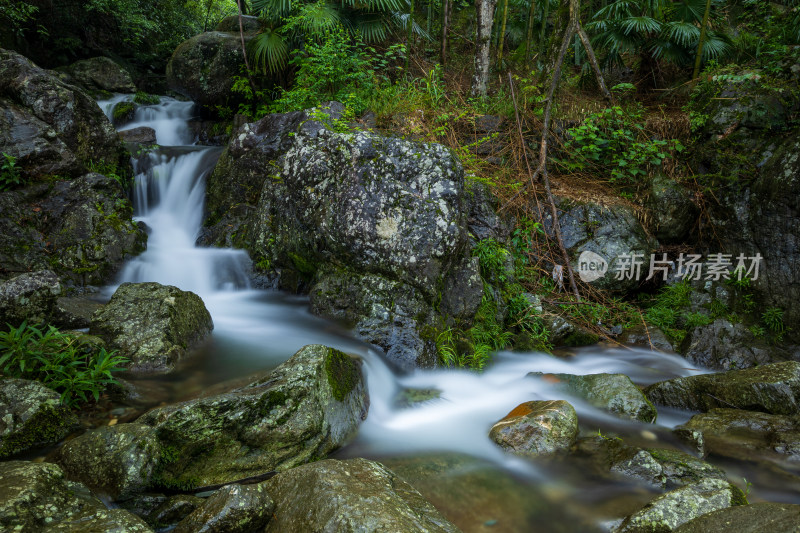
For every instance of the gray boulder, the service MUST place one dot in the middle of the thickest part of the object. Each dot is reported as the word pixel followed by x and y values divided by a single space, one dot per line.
pixel 354 495
pixel 648 337
pixel 773 388
pixel 53 128
pixel 231 509
pixel 672 211
pixel 30 297
pixel 753 518
pixel 31 415
pixel 309 406
pixel 36 498
pixel 153 325
pixel 249 24
pixel 141 135
pixel 100 74
pixel 537 428
pixel 669 511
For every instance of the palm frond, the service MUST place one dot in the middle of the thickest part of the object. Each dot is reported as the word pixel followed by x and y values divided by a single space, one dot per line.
pixel 682 33
pixel 272 7
pixel 371 29
pixel 269 51
pixel 640 25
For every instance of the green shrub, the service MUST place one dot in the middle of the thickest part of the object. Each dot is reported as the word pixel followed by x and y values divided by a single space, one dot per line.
pixel 142 98
pixel 65 363
pixel 9 173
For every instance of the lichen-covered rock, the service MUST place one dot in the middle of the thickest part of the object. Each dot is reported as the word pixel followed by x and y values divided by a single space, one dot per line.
pixel 771 388
pixel 75 312
pixel 231 509
pixel 53 128
pixel 249 24
pixel 115 461
pixel 671 209
pixel 613 392
pixel 753 518
pixel 173 510
pixel 36 498
pixel 203 67
pixel 721 430
pixel 100 74
pixel 31 415
pixel 81 229
pixel 30 297
pixel 654 466
pixel 352 495
pixel 649 337
pixel 309 406
pixel 608 231
pixel 670 510
pixel 153 325
pixel 537 428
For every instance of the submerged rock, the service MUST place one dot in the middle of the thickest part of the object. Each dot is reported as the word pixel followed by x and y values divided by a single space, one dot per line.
pixel 100 74
pixel 231 509
pixel 668 511
pixel 771 388
pixel 612 392
pixel 753 518
pixel 141 135
pixel 30 297
pixel 352 495
pixel 309 406
pixel 151 324
pixel 35 498
pixel 537 428
pixel 31 415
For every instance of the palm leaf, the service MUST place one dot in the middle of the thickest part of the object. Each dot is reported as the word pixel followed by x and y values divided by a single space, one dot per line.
pixel 682 33
pixel 276 7
pixel 371 29
pixel 640 25
pixel 269 51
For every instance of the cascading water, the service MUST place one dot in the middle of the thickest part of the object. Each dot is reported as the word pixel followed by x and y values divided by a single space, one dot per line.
pixel 257 329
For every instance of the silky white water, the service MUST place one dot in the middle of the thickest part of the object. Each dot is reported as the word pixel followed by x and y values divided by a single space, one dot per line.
pixel 257 329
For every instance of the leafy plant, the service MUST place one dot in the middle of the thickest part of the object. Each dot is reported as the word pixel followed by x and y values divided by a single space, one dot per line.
pixel 773 318
pixel 65 363
pixel 9 173
pixel 143 98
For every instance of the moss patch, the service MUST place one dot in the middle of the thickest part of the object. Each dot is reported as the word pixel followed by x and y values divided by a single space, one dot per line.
pixel 343 373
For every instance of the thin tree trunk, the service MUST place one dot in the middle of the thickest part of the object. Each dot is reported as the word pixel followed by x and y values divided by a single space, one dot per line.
pixel 544 25
pixel 699 59
pixel 446 4
pixel 501 38
pixel 529 37
pixel 484 17
pixel 253 103
pixel 410 34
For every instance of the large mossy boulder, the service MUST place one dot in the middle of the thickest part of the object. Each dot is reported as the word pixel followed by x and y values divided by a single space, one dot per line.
pixel 672 509
pixel 537 428
pixel 52 128
pixel 307 407
pixel 100 74
pixel 352 495
pixel 81 229
pixel 672 209
pixel 753 518
pixel 610 232
pixel 203 68
pixel 36 498
pixel 771 388
pixel 611 392
pixel 152 325
pixel 231 509
pixel 30 297
pixel 31 415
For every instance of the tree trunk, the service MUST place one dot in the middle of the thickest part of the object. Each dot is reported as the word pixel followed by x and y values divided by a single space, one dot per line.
pixel 446 6
pixel 501 38
pixel 410 34
pixel 253 103
pixel 542 43
pixel 484 10
pixel 699 59
pixel 529 37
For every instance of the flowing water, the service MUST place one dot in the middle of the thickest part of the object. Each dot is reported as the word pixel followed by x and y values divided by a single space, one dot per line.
pixel 441 445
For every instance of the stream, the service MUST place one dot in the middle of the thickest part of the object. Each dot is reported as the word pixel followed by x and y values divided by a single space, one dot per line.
pixel 441 445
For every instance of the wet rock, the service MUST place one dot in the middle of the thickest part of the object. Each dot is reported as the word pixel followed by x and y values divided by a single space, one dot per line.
pixel 75 312
pixel 173 510
pixel 750 431
pixel 650 337
pixel 100 74
pixel 753 518
pixel 654 466
pixel 773 388
pixel 142 135
pixel 537 428
pixel 31 415
pixel 483 220
pixel 53 128
pixel 249 24
pixel 309 406
pixel 80 229
pixel 610 232
pixel 414 397
pixel 151 324
pixel 463 290
pixel 30 297
pixel 35 497
pixel 672 212
pixel 231 509
pixel 670 510
pixel 352 495
pixel 563 332
pixel 202 68
pixel 612 392
pixel 115 461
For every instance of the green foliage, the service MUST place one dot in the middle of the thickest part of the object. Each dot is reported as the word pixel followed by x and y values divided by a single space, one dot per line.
pixel 492 258
pixel 65 363
pixel 14 15
pixel 613 142
pixel 110 170
pixel 9 173
pixel 142 98
pixel 773 318
pixel 664 313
